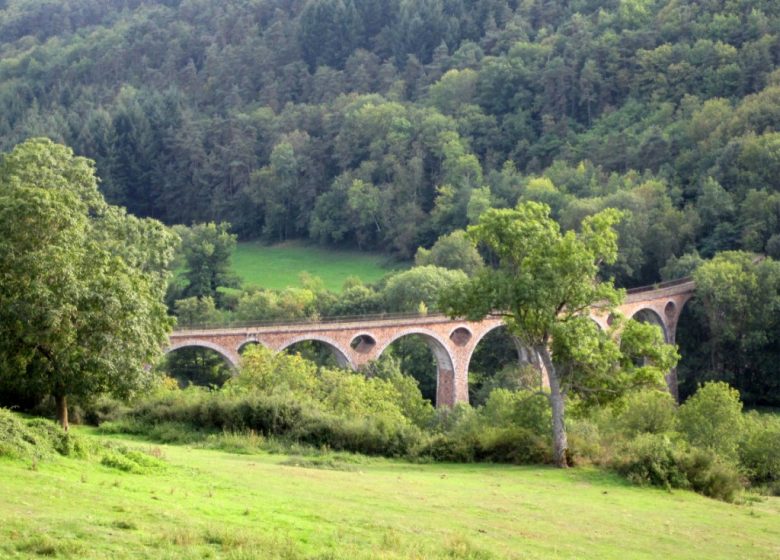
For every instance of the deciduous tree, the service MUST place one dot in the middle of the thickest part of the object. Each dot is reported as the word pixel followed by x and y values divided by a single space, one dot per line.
pixel 544 286
pixel 82 283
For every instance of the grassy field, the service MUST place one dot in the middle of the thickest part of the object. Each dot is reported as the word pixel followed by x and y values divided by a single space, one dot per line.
pixel 279 266
pixel 212 504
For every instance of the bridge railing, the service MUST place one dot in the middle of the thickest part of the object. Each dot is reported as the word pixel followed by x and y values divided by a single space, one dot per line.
pixel 306 321
pixel 660 285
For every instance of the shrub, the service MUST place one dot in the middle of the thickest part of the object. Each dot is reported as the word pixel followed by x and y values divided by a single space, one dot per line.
pixel 712 419
pixel 656 460
pixel 36 438
pixel 129 460
pixel 104 409
pixel 759 451
pixel 513 445
pixel 584 442
pixel 525 409
pixel 448 448
pixel 650 459
pixel 646 412
pixel 708 474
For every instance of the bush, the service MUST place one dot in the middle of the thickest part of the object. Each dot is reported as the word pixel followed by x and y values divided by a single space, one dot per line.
pixel 656 460
pixel 760 450
pixel 104 409
pixel 646 412
pixel 584 442
pixel 710 475
pixel 448 448
pixel 513 445
pixel 651 459
pixel 275 415
pixel 524 409
pixel 712 419
pixel 130 460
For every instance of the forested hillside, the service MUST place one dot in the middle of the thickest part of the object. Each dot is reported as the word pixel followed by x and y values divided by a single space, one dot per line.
pixel 383 124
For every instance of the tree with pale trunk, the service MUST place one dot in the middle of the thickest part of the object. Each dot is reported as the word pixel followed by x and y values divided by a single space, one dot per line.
pixel 81 281
pixel 545 286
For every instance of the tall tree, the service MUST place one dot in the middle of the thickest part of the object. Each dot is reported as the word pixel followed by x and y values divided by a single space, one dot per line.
pixel 81 295
pixel 544 286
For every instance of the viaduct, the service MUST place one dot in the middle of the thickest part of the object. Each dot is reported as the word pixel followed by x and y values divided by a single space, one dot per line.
pixel 356 341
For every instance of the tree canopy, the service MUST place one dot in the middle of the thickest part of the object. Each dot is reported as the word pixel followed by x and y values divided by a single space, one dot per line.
pixel 81 296
pixel 384 125
pixel 545 286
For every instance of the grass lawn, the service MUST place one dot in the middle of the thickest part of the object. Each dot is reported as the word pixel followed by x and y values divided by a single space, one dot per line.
pixel 213 504
pixel 279 266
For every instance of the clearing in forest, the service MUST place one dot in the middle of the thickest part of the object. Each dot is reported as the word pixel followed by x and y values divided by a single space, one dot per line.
pixel 279 266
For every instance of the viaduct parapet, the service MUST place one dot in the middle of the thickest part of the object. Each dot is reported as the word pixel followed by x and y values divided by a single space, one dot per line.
pixel 356 341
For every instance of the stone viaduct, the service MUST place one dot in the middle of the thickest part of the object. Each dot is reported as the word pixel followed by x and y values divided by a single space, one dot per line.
pixel 356 341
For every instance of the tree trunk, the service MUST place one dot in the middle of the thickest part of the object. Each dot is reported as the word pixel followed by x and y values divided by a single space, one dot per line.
pixel 560 443
pixel 61 402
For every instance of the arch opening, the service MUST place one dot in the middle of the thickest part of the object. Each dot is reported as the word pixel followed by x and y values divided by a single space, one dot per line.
pixel 647 315
pixel 460 336
pixel 246 345
pixel 363 343
pixel 425 358
pixel 197 364
pixel 501 361
pixel 321 352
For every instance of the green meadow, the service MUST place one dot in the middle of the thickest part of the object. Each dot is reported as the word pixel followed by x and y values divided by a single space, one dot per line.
pixel 279 266
pixel 206 503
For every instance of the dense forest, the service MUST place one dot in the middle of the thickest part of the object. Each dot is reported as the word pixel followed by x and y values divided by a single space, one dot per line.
pixel 384 124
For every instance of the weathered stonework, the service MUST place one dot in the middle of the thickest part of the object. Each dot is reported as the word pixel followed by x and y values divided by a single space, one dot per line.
pixel 452 341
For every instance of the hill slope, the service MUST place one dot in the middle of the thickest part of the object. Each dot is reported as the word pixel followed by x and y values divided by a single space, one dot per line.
pixel 384 124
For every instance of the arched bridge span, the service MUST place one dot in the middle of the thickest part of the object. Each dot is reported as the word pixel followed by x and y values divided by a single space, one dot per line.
pixel 357 341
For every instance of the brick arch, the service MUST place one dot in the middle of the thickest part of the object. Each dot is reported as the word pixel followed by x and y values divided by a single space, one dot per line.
pixel 445 361
pixel 231 358
pixel 361 347
pixel 523 351
pixel 342 355
pixel 436 343
pixel 655 319
pixel 252 340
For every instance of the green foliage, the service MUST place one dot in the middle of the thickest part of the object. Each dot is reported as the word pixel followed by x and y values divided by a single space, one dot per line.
pixel 712 419
pixel 730 333
pixel 196 310
pixel 546 283
pixel 524 409
pixel 651 459
pixel 404 291
pixel 646 412
pixel 655 459
pixel 453 251
pixel 81 308
pixel 206 249
pixel 759 450
pixel 384 125
pixel 129 460
pixel 34 439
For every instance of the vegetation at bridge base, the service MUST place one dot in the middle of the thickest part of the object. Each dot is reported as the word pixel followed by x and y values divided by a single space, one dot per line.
pixel 284 403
